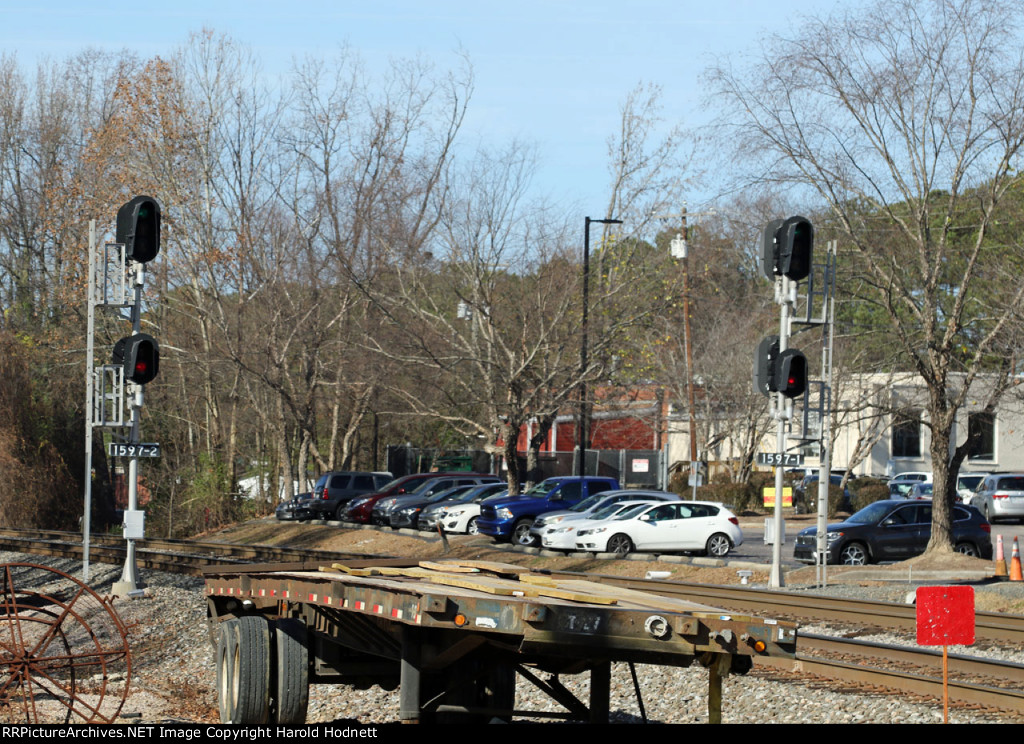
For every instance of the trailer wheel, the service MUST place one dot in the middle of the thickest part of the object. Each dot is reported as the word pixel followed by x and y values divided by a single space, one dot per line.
pixel 244 670
pixel 291 673
pixel 225 671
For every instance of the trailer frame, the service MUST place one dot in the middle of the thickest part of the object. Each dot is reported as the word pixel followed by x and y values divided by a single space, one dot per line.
pixel 452 636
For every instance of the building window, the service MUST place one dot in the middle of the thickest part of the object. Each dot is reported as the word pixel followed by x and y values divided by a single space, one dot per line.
pixel 906 434
pixel 981 436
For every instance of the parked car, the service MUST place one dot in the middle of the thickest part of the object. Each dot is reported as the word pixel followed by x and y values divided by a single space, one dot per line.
pixel 296 508
pixel 912 475
pixel 383 508
pixel 562 535
pixel 511 517
pixel 967 483
pixel 450 510
pixel 360 508
pixel 921 490
pixel 894 530
pixel 408 512
pixel 900 489
pixel 703 526
pixel 465 517
pixel 805 495
pixel 334 490
pixel 1000 496
pixel 587 508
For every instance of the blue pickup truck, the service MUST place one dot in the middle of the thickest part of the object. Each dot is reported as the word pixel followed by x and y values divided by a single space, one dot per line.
pixel 510 518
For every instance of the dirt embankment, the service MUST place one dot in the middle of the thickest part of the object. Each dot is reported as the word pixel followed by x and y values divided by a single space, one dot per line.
pixel 383 542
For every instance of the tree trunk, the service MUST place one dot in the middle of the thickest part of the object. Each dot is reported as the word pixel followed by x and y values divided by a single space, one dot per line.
pixel 533 451
pixel 510 436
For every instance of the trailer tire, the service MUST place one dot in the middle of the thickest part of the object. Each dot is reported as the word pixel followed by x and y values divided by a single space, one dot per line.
pixel 291 672
pixel 225 671
pixel 245 681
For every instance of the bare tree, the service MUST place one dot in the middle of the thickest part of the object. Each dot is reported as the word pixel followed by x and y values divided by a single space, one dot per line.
pixel 905 121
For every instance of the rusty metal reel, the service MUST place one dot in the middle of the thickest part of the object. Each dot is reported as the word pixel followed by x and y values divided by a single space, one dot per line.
pixel 64 655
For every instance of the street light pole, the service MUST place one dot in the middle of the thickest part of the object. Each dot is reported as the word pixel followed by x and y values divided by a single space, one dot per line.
pixel 581 440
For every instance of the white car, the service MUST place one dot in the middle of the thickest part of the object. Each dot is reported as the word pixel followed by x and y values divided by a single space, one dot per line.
pixel 591 505
pixel 562 534
pixel 911 475
pixel 703 526
pixel 462 517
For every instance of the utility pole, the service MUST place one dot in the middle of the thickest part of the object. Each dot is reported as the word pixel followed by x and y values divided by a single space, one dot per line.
pixel 582 440
pixel 680 250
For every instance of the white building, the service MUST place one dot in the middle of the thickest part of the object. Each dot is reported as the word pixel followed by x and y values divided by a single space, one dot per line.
pixel 880 428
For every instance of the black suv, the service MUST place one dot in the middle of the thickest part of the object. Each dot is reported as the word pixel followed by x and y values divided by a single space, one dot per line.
pixel 334 490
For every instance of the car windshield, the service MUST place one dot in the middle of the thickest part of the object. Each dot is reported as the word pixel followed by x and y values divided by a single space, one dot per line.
pixel 970 482
pixel 923 488
pixel 391 484
pixel 422 488
pixel 588 503
pixel 450 493
pixel 468 494
pixel 632 512
pixel 870 514
pixel 541 488
pixel 608 511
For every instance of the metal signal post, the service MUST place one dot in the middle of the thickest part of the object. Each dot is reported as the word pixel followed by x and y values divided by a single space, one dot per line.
pixel 786 257
pixel 116 278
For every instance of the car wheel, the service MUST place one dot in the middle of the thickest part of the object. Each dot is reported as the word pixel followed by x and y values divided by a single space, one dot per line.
pixel 853 554
pixel 521 534
pixel 968 549
pixel 718 545
pixel 472 528
pixel 339 513
pixel 620 545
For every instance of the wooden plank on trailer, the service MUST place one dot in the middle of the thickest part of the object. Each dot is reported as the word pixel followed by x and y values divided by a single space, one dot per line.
pixel 348 570
pixel 539 579
pixel 633 597
pixel 449 566
pixel 505 587
pixel 494 567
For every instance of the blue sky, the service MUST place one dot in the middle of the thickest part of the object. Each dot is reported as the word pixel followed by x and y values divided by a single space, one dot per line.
pixel 550 72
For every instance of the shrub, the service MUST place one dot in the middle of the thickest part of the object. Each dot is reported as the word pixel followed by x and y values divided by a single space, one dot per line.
pixel 868 493
pixel 739 497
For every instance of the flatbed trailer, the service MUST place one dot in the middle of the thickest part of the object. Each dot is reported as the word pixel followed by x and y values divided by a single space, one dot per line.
pixel 452 636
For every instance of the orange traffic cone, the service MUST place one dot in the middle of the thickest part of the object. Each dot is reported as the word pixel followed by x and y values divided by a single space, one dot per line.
pixel 1015 571
pixel 1000 560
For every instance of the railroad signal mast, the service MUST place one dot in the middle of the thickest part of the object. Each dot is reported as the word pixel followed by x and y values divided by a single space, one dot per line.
pixel 114 391
pixel 787 251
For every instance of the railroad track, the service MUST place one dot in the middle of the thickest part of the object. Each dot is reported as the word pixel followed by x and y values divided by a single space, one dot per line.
pixel 973 681
pixel 162 554
pixel 989 626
